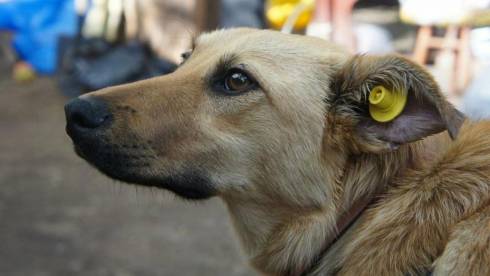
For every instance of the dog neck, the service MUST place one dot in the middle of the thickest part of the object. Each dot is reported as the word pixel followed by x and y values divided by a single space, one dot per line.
pixel 285 237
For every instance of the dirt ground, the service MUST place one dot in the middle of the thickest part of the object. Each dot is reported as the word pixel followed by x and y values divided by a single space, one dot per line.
pixel 58 216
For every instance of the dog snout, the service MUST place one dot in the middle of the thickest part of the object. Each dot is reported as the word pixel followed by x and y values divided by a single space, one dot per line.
pixel 86 114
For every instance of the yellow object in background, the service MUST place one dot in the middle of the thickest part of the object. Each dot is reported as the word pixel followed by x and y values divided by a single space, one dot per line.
pixel 23 72
pixel 385 105
pixel 278 11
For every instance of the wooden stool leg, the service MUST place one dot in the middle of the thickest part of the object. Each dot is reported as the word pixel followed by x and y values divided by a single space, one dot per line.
pixel 422 44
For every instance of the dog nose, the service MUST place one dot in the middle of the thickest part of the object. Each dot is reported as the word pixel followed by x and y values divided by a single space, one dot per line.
pixel 86 113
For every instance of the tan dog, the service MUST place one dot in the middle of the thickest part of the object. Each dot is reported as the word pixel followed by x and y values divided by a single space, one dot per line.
pixel 277 126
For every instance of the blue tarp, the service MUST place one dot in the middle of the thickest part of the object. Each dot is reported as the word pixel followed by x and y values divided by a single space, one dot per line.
pixel 37 25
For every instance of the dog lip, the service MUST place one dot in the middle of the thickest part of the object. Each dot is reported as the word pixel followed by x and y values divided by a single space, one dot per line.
pixel 79 151
pixel 79 134
pixel 69 129
pixel 187 185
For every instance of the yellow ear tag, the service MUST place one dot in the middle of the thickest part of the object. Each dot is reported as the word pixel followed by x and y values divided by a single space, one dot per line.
pixel 385 105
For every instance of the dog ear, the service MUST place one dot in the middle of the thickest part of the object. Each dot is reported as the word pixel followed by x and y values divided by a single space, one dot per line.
pixel 423 109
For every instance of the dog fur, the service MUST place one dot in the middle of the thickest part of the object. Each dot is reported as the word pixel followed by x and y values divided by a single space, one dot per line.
pixel 291 155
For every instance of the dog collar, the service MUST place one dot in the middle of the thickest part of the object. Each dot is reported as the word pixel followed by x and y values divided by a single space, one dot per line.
pixel 346 220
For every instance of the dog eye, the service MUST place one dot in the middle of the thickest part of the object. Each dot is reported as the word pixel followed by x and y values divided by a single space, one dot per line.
pixel 237 81
pixel 185 56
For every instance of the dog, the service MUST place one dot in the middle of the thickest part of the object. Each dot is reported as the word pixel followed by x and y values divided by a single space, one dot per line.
pixel 278 126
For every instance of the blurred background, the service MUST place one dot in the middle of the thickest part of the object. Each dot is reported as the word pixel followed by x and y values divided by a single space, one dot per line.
pixel 58 216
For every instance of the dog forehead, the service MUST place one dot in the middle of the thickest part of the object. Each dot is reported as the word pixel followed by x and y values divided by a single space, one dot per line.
pixel 231 38
pixel 267 42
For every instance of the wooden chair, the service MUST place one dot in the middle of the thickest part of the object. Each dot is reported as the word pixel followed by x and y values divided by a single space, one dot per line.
pixel 455 42
pixel 452 48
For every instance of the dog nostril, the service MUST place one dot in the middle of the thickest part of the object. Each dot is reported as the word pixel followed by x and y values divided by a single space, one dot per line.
pixel 89 113
pixel 87 122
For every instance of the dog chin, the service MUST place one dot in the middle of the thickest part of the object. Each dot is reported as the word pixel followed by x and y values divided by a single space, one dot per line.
pixel 189 184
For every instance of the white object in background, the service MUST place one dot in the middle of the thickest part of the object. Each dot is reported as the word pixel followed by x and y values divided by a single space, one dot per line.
pixel 81 6
pixel 319 29
pixel 480 44
pixel 131 18
pixel 373 39
pixel 476 101
pixel 95 21
pixel 433 12
pixel 370 38
pixel 114 16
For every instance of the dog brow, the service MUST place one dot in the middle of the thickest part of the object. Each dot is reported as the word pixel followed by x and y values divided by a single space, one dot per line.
pixel 225 63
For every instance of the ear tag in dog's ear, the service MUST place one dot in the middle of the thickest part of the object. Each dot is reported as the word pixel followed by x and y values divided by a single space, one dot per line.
pixel 385 105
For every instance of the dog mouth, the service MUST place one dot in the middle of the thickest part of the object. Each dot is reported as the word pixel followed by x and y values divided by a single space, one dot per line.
pixel 133 164
pixel 119 161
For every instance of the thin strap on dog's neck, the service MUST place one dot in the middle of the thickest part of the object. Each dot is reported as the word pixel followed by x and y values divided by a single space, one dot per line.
pixel 346 220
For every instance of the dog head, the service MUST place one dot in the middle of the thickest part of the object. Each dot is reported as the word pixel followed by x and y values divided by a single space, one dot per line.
pixel 248 109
